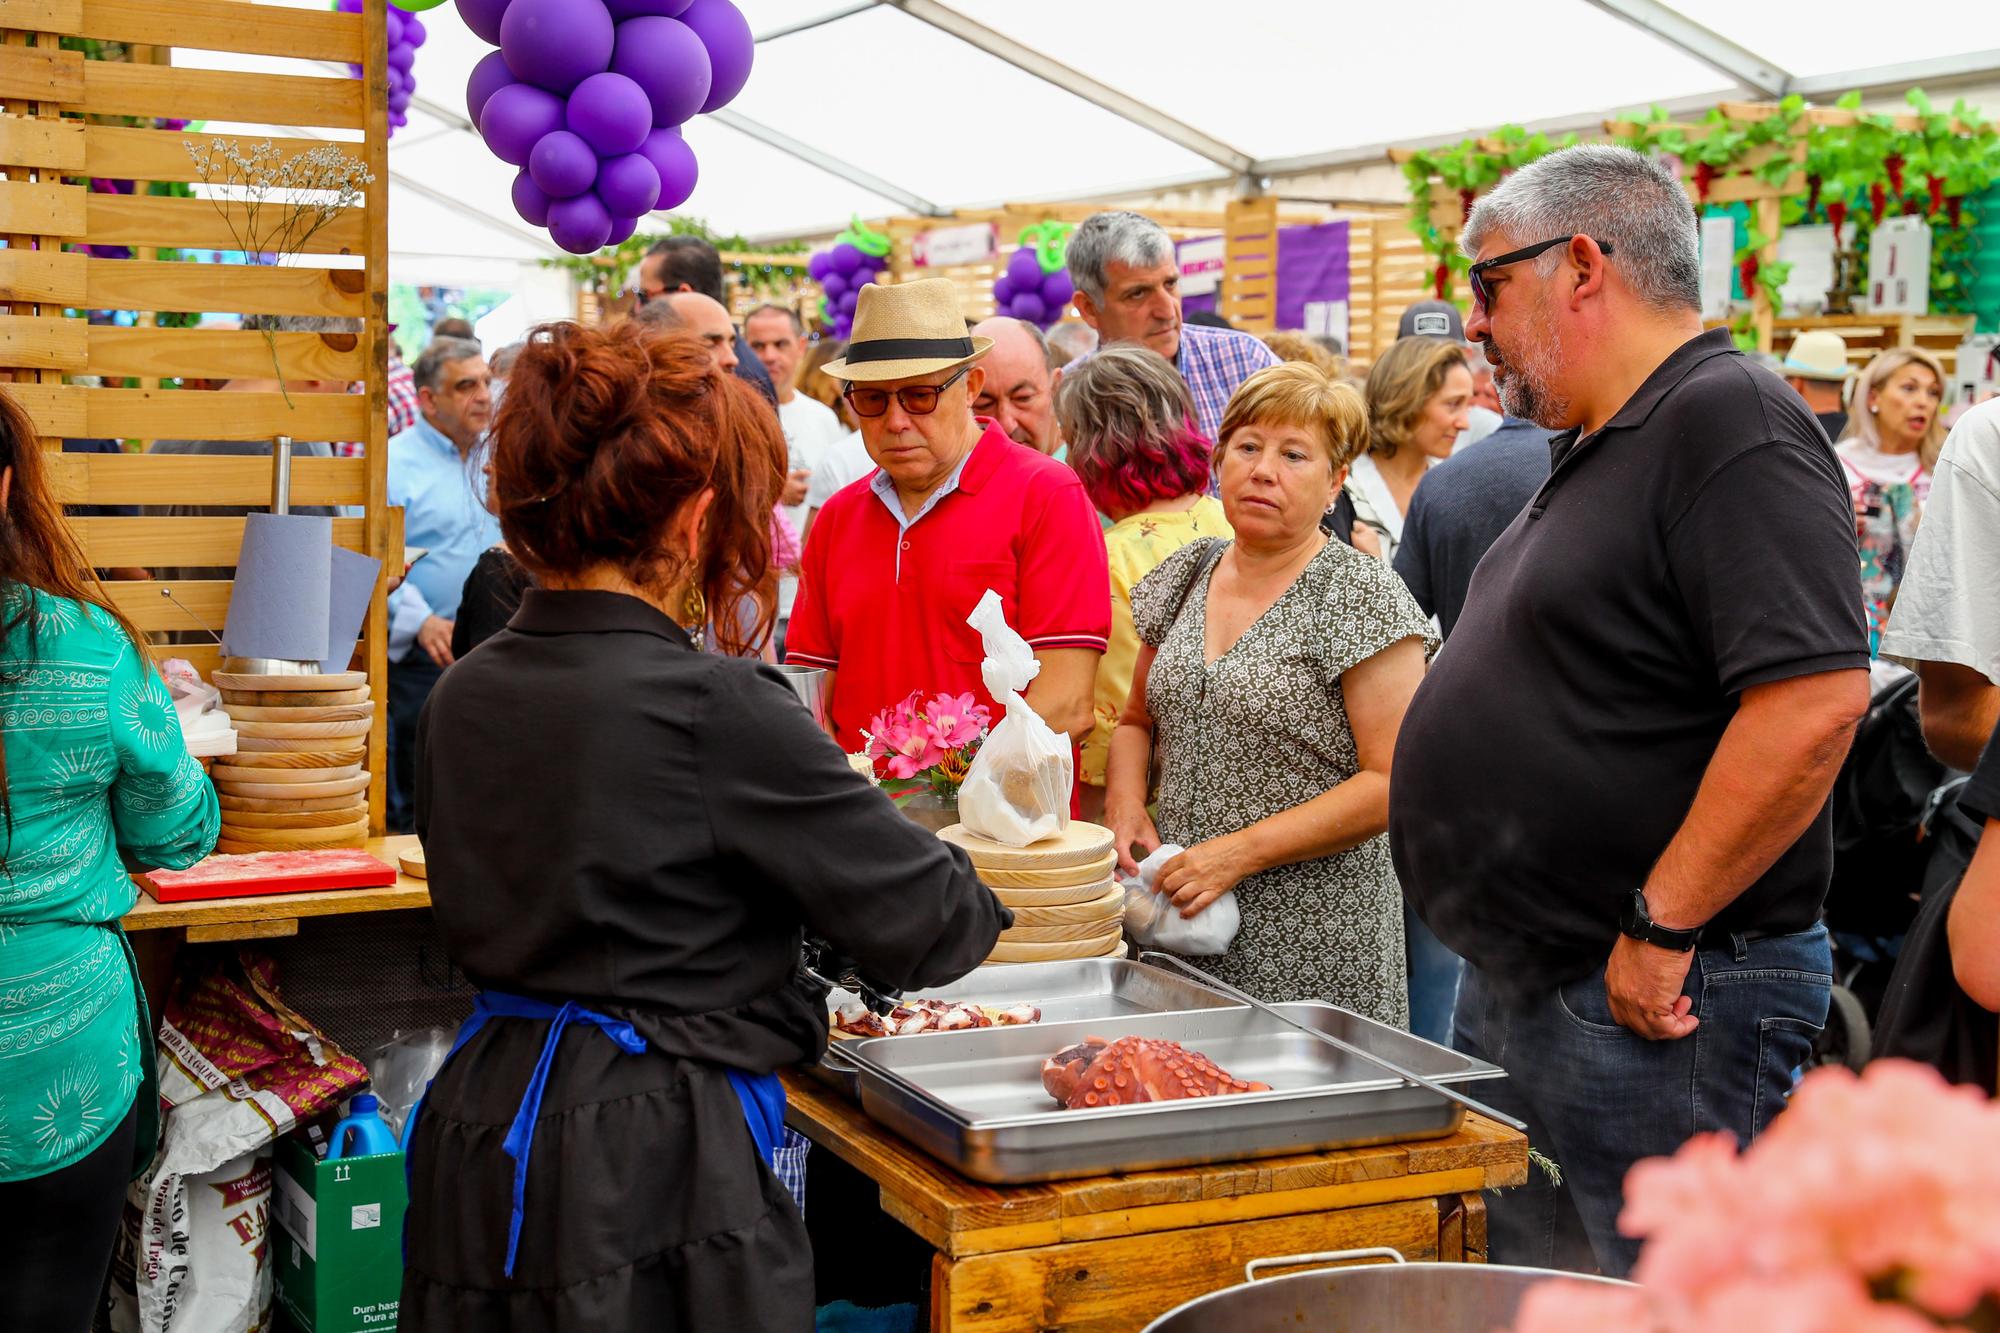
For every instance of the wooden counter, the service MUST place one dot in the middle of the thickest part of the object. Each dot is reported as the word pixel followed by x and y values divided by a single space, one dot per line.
pixel 1113 1252
pixel 273 915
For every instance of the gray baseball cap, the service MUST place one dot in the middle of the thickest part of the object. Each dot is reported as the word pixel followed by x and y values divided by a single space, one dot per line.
pixel 1432 319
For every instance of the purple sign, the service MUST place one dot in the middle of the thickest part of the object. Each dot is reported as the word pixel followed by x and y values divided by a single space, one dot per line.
pixel 1312 270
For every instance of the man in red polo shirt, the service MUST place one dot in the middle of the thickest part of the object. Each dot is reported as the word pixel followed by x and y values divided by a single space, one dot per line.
pixel 896 561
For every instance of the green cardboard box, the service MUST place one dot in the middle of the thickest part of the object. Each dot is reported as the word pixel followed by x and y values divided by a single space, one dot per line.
pixel 340 1251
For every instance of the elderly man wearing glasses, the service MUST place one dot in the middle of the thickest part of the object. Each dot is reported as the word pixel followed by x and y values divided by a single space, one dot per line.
pixel 896 562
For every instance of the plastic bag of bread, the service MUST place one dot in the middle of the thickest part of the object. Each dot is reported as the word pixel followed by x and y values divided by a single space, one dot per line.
pixel 1017 790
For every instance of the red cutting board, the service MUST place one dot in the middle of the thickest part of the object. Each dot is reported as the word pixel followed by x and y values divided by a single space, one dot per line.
pixel 237 876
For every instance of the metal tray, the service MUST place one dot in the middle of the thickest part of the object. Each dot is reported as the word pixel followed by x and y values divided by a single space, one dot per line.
pixel 1084 988
pixel 975 1101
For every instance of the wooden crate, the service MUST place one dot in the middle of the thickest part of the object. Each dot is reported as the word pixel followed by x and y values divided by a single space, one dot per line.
pixel 1866 335
pixel 58 128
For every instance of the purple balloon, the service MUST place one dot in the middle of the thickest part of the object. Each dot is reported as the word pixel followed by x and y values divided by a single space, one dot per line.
pixel 393 25
pixel 414 31
pixel 563 165
pixel 847 299
pixel 529 201
pixel 401 57
pixel 1028 306
pixel 816 266
pixel 483 18
pixel 1057 289
pixel 628 185
pixel 556 44
pixel 580 225
pixel 833 284
pixel 611 113
pixel 400 101
pixel 731 47
pixel 674 160
pixel 632 9
pixel 844 258
pixel 1003 291
pixel 666 58
pixel 398 119
pixel 516 118
pixel 489 76
pixel 621 230
pixel 1025 269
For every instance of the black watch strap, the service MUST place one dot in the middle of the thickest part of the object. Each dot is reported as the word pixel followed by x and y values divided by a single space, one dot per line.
pixel 1637 922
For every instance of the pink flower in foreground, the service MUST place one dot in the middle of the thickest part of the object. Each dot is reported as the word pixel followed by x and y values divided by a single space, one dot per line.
pixel 1559 1306
pixel 955 720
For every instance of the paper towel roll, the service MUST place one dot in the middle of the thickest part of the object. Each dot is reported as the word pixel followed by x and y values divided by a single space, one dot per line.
pixel 281 606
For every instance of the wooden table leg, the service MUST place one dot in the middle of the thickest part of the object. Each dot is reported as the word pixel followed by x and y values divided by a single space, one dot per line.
pixel 1462 1229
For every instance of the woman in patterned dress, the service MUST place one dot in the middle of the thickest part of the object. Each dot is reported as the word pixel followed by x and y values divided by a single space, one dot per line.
pixel 1274 676
pixel 94 777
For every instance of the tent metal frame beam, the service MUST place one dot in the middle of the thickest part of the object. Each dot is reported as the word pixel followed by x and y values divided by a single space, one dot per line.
pixel 827 162
pixel 1711 48
pixel 817 20
pixel 1937 72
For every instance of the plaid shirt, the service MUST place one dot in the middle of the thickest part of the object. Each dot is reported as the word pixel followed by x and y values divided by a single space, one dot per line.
pixel 403 410
pixel 1214 362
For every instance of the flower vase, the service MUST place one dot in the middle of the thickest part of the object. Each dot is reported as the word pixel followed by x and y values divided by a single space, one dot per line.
pixel 931 809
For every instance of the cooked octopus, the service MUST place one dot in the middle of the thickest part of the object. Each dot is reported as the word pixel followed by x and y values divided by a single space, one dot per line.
pixel 1132 1070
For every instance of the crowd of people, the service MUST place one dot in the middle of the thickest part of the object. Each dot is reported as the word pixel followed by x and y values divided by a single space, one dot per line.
pixel 1505 689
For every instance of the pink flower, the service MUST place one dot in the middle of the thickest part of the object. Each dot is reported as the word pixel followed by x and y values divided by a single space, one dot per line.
pixel 1560 1306
pixel 956 721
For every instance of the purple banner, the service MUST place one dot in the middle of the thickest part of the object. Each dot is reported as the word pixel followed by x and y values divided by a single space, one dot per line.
pixel 1312 268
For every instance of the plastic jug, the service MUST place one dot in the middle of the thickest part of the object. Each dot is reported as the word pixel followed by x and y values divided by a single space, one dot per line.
pixel 371 1134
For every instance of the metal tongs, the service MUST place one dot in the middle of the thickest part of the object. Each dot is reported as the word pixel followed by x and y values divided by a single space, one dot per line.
pixel 1410 1076
pixel 819 961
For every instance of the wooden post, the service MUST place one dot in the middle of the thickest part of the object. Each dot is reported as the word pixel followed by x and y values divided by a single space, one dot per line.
pixel 375 342
pixel 1250 263
pixel 1765 217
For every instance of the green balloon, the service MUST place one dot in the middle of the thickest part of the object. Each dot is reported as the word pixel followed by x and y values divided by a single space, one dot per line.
pixel 416 6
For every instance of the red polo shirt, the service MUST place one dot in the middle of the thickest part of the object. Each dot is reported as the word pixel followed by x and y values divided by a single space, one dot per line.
pixel 884 605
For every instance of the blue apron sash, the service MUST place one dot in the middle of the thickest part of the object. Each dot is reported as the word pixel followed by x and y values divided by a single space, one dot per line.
pixel 761 1095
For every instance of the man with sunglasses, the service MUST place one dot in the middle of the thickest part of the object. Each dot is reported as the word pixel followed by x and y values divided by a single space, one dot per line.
pixel 896 562
pixel 1610 793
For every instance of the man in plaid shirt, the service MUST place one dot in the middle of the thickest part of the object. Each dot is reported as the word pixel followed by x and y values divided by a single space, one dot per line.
pixel 1128 289
pixel 403 408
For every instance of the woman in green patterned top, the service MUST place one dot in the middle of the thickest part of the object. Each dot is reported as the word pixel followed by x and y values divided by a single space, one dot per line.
pixel 95 780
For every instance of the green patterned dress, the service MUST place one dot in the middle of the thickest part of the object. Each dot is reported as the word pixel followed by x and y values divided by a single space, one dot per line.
pixel 98 780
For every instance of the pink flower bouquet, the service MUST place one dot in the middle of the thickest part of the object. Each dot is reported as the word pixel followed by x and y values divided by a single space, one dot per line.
pixel 1865 1208
pixel 927 745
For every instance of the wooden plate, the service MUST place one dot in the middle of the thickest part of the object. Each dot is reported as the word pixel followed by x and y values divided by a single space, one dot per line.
pixel 1067 877
pixel 412 863
pixel 294 698
pixel 231 774
pixel 1081 893
pixel 296 758
pixel 282 839
pixel 1097 911
pixel 298 744
pixel 295 791
pixel 231 847
pixel 1074 930
pixel 269 805
pixel 298 731
pixel 1012 951
pixel 270 819
pixel 1078 845
pixel 313 713
pixel 331 680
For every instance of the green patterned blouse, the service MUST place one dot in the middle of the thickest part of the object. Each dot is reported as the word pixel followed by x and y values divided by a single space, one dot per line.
pixel 98 779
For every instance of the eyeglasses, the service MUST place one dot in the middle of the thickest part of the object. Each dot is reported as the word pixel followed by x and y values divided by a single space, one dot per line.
pixel 919 400
pixel 1482 295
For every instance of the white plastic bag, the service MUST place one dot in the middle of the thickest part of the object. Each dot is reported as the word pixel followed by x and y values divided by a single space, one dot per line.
pixel 1153 922
pixel 1018 788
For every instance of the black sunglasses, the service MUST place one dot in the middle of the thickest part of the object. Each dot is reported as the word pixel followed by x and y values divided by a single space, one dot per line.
pixel 919 400
pixel 1482 295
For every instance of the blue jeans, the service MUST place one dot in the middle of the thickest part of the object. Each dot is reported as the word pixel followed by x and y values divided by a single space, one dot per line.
pixel 1597 1098
pixel 1434 971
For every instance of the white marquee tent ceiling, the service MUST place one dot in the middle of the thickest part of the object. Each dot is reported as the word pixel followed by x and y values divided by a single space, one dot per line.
pixel 898 106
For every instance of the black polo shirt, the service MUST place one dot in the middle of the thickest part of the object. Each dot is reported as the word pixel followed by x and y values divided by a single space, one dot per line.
pixel 1700 543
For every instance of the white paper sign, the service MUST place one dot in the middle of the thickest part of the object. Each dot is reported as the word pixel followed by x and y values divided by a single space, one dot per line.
pixel 1201 265
pixel 1327 319
pixel 1809 250
pixel 947 247
pixel 1899 268
pixel 1718 265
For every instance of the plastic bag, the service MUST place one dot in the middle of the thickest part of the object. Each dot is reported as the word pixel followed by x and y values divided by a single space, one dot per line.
pixel 1153 922
pixel 1018 788
pixel 401 1068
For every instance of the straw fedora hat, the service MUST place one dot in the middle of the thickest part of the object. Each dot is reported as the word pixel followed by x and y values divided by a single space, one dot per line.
pixel 1818 354
pixel 910 329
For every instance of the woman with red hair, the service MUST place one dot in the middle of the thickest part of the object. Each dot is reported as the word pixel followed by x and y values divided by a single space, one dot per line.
pixel 1129 423
pixel 627 839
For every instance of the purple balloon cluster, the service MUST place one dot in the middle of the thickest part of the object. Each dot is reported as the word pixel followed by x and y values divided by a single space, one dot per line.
pixel 841 273
pixel 587 97
pixel 406 34
pixel 1024 291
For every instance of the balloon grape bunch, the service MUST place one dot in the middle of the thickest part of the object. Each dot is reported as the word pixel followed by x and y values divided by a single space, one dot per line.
pixel 406 34
pixel 587 97
pixel 858 254
pixel 1035 285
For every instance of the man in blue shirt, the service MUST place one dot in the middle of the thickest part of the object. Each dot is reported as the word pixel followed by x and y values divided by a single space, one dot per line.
pixel 434 475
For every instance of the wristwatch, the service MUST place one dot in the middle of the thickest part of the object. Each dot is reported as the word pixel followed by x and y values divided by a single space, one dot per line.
pixel 1636 921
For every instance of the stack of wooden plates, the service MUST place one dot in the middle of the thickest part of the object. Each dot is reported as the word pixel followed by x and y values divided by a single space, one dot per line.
pixel 1066 902
pixel 296 779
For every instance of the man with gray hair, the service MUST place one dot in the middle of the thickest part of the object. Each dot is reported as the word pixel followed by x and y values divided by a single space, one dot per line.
pixel 1128 288
pixel 1610 791
pixel 1020 391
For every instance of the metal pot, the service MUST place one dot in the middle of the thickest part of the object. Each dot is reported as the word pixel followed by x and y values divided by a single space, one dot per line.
pixel 809 683
pixel 1396 1297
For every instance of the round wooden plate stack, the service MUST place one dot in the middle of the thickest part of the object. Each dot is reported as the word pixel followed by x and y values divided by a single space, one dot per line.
pixel 1065 900
pixel 296 780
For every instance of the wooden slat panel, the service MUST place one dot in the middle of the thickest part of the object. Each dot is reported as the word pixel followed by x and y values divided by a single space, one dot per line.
pixel 31 209
pixel 110 542
pixel 36 74
pixel 42 275
pixel 206 657
pixel 162 155
pixel 124 219
pixel 143 605
pixel 59 16
pixel 219 354
pixel 221 25
pixel 67 411
pixel 245 289
pixel 50 343
pixel 164 479
pixel 211 94
pixel 54 144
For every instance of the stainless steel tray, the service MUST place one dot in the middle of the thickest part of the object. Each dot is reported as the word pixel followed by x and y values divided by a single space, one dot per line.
pixel 1084 988
pixel 975 1101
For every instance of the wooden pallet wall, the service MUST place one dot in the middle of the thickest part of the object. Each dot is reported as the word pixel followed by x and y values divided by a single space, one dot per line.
pixel 52 141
